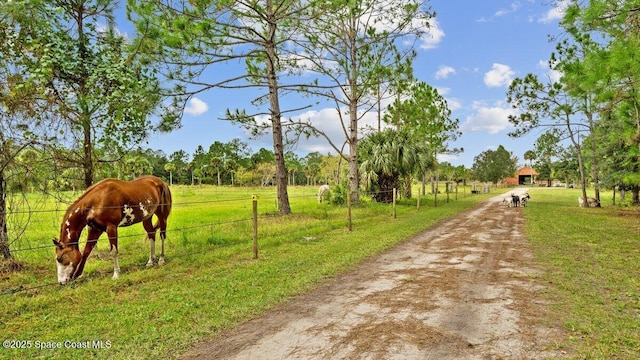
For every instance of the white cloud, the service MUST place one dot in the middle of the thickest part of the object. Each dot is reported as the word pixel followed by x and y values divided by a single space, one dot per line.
pixel 556 13
pixel 499 75
pixel 433 37
pixel 454 104
pixel 491 119
pixel 327 121
pixel 450 158
pixel 196 107
pixel 513 8
pixel 552 75
pixel 444 72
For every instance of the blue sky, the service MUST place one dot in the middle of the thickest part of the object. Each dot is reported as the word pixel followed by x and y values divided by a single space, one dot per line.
pixel 476 48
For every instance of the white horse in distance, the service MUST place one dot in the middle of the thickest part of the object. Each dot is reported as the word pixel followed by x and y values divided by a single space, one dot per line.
pixel 324 189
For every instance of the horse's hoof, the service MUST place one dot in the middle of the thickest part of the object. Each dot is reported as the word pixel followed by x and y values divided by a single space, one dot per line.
pixel 150 263
pixel 161 261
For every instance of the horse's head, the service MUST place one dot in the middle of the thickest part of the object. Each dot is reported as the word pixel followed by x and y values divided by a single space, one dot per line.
pixel 67 259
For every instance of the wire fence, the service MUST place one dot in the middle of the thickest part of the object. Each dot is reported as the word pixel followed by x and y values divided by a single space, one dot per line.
pixel 246 223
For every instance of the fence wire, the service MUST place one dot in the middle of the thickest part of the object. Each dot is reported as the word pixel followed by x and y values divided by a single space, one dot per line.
pixel 262 233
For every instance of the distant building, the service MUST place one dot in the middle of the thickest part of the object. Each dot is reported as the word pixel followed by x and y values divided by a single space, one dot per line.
pixel 526 175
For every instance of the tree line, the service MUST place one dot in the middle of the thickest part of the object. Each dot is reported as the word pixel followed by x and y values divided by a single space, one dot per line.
pixel 590 98
pixel 83 95
pixel 74 81
pixel 77 96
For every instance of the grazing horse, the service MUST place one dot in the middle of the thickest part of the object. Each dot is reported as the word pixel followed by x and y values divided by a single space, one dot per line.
pixel 323 189
pixel 104 207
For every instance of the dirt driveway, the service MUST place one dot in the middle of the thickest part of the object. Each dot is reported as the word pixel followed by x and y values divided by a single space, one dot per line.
pixel 464 289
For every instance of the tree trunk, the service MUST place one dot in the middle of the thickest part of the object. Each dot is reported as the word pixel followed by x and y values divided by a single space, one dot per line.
pixel 4 236
pixel 353 169
pixel 354 179
pixel 386 184
pixel 276 125
pixel 87 159
pixel 576 144
pixel 594 161
pixel 433 183
pixel 85 115
pixel 407 187
pixel 583 180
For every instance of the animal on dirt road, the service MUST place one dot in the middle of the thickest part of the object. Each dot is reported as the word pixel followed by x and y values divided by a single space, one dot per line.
pixel 104 207
pixel 323 192
pixel 515 200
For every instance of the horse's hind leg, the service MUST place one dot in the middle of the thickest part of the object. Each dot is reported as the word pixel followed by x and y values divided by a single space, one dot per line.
pixel 112 232
pixel 151 235
pixel 162 224
pixel 163 235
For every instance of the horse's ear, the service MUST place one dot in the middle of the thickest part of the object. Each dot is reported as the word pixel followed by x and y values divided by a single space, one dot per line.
pixel 57 243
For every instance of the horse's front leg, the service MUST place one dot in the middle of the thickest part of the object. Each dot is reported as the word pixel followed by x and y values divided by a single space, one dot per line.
pixel 112 232
pixel 92 240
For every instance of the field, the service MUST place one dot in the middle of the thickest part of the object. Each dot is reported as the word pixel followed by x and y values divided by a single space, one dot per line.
pixel 590 258
pixel 210 281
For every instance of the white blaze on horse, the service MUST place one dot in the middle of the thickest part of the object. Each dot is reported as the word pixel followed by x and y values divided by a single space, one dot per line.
pixel 104 207
pixel 324 189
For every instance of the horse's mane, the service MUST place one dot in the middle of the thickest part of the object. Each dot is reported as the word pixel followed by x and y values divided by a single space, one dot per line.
pixel 74 204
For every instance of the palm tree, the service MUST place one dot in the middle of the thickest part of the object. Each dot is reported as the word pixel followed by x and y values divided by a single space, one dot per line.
pixel 170 167
pixel 387 157
pixel 530 155
pixel 217 163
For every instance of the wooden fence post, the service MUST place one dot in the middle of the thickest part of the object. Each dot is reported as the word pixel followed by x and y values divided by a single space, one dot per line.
pixel 447 190
pixel 435 196
pixel 349 209
pixel 394 202
pixel 255 226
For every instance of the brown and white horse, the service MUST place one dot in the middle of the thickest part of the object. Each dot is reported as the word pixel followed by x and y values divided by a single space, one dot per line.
pixel 104 207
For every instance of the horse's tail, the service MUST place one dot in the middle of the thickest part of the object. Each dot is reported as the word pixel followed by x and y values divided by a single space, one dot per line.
pixel 165 195
pixel 164 209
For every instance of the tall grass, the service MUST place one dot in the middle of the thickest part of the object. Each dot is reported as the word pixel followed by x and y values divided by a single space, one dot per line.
pixel 592 262
pixel 210 281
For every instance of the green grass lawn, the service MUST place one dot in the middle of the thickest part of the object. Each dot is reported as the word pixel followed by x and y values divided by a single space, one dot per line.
pixel 210 281
pixel 591 258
